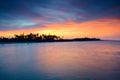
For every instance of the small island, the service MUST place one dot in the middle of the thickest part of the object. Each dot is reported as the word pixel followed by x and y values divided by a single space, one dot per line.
pixel 42 38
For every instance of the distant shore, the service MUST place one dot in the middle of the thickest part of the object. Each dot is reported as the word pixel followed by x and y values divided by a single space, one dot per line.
pixel 42 38
pixel 63 40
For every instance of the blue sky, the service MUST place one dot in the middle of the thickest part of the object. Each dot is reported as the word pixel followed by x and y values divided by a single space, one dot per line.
pixel 25 14
pixel 17 14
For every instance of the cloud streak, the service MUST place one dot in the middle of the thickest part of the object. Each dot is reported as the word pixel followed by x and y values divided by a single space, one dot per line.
pixel 17 14
pixel 27 14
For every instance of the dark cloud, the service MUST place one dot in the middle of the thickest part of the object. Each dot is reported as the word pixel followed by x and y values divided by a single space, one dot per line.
pixel 18 14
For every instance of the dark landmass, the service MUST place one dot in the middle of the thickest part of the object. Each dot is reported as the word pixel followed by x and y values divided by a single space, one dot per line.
pixel 42 38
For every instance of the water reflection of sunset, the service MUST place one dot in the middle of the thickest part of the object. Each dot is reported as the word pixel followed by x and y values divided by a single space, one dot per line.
pixel 67 60
pixel 64 62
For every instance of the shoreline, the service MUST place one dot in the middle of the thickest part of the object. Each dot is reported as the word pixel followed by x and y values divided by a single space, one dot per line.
pixel 49 41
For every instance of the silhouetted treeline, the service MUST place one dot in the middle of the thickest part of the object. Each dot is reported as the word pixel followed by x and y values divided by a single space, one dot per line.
pixel 41 38
pixel 30 38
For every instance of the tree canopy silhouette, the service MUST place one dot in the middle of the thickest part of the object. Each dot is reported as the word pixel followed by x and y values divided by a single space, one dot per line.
pixel 41 38
pixel 31 37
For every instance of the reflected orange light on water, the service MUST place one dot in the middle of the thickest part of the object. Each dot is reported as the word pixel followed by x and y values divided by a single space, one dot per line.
pixel 65 61
pixel 62 61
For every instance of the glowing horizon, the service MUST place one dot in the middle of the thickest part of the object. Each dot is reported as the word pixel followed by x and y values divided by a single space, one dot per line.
pixel 70 19
pixel 102 28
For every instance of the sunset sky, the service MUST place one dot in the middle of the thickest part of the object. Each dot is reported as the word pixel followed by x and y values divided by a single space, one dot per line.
pixel 68 18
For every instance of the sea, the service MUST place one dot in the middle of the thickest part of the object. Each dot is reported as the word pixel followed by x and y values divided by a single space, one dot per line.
pixel 77 60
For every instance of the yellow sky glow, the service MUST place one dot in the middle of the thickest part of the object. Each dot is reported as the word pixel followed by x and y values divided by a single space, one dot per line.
pixel 101 28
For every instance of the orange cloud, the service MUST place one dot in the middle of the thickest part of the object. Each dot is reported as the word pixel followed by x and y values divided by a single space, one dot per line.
pixel 97 28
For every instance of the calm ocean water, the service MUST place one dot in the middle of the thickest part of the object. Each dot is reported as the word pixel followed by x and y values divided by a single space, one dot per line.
pixel 97 60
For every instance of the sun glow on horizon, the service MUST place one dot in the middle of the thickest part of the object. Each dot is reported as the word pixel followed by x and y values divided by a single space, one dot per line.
pixel 102 28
